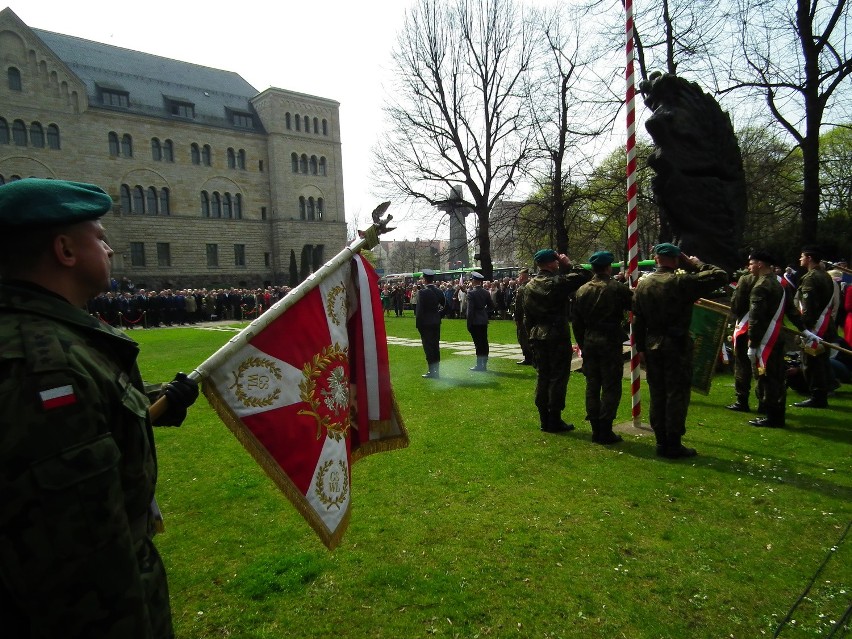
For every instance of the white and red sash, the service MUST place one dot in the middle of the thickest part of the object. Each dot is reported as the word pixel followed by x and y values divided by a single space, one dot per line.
pixel 773 330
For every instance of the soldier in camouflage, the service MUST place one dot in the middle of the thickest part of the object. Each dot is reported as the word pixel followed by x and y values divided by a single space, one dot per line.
pixel 546 304
pixel 598 313
pixel 518 316
pixel 77 460
pixel 662 311
pixel 742 364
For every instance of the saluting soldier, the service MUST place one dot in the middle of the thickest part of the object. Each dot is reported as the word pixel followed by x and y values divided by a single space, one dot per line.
pixel 427 314
pixel 742 364
pixel 547 303
pixel 662 312
pixel 599 311
pixel 77 461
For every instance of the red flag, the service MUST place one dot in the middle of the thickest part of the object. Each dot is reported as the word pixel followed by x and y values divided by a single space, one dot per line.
pixel 311 392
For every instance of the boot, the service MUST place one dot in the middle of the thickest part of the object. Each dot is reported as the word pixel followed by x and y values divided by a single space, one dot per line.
pixel 596 430
pixel 555 424
pixel 740 406
pixel 675 450
pixel 433 371
pixel 544 418
pixel 774 419
pixel 605 434
pixel 481 363
pixel 816 401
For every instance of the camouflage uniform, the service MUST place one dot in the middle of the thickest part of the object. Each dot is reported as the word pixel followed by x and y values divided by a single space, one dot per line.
pixel 77 477
pixel 742 364
pixel 662 307
pixel 765 297
pixel 546 304
pixel 816 290
pixel 520 330
pixel 598 315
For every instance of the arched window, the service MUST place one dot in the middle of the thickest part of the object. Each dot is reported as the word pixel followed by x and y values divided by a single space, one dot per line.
pixel 232 159
pixel 114 148
pixel 127 146
pixel 316 125
pixel 206 155
pixel 303 163
pixel 216 205
pixel 52 136
pixel 287 121
pixel 15 79
pixel 298 122
pixel 314 169
pixel 311 209
pixel 37 135
pixel 320 208
pixel 151 204
pixel 138 200
pixel 195 153
pixel 325 127
pixel 164 202
pixel 294 160
pixel 323 167
pixel 307 124
pixel 4 131
pixel 19 133
pixel 156 150
pixel 241 159
pixel 168 151
pixel 302 213
pixel 226 206
pixel 205 204
pixel 238 207
pixel 126 206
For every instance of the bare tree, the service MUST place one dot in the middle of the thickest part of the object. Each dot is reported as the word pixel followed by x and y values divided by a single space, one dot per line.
pixel 457 113
pixel 798 58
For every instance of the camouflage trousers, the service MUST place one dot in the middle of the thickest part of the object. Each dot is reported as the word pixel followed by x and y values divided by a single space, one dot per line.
pixel 668 370
pixel 553 366
pixel 603 366
pixel 742 369
pixel 772 384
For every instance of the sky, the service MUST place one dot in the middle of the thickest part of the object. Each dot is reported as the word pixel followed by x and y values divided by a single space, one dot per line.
pixel 336 49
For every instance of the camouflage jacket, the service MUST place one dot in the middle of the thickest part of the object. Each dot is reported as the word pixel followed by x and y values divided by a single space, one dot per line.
pixel 663 300
pixel 599 310
pixel 816 290
pixel 547 303
pixel 77 475
pixel 740 296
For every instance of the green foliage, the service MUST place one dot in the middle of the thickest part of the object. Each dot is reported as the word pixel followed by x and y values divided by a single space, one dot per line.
pixel 486 527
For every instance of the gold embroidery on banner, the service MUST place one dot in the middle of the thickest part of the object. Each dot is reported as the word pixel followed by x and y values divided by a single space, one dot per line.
pixel 262 370
pixel 337 482
pixel 330 407
pixel 331 303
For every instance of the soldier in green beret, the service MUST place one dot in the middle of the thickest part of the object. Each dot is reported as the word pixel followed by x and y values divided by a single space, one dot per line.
pixel 546 304
pixel 518 316
pixel 599 312
pixel 662 312
pixel 77 461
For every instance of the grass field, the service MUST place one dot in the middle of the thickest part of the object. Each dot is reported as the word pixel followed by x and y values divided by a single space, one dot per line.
pixel 486 527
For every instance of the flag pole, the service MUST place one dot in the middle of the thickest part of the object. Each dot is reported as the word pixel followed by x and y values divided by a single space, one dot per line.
pixel 367 239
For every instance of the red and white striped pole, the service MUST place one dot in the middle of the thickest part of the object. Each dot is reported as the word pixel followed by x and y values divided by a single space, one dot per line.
pixel 632 214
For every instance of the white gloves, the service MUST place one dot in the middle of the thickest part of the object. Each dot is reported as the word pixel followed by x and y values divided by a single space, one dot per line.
pixel 813 337
pixel 752 355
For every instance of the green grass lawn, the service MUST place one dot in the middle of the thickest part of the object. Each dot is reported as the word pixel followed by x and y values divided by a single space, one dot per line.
pixel 486 527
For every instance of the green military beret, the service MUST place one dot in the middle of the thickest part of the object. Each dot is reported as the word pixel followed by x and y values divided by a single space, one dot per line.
pixel 38 202
pixel 759 255
pixel 545 256
pixel 601 258
pixel 666 248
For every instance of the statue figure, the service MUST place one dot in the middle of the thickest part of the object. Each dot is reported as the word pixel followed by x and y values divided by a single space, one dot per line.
pixel 699 183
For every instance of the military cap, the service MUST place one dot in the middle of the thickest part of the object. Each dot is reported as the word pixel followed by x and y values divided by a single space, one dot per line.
pixel 759 255
pixel 668 249
pixel 545 256
pixel 477 276
pixel 814 252
pixel 601 258
pixel 39 202
pixel 524 270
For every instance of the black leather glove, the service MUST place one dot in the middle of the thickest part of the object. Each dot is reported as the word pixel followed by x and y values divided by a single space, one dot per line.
pixel 181 393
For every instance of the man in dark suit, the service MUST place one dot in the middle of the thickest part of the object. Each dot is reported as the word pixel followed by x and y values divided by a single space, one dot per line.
pixel 427 314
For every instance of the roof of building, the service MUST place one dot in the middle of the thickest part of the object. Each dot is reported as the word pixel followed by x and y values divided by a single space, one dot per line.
pixel 152 81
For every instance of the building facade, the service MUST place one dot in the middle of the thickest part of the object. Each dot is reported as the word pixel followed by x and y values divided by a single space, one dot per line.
pixel 214 184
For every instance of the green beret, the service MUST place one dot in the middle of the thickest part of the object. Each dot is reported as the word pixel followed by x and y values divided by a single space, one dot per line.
pixel 38 202
pixel 666 248
pixel 545 256
pixel 601 258
pixel 759 255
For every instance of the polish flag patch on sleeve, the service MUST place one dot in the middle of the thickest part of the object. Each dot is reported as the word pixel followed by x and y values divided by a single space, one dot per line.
pixel 57 397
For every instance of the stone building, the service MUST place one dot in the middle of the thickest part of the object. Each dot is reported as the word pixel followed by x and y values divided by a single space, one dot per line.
pixel 213 183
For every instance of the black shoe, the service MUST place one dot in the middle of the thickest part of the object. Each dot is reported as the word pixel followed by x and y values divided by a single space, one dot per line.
pixel 677 452
pixel 608 438
pixel 765 422
pixel 740 408
pixel 812 402
pixel 429 375
pixel 561 427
